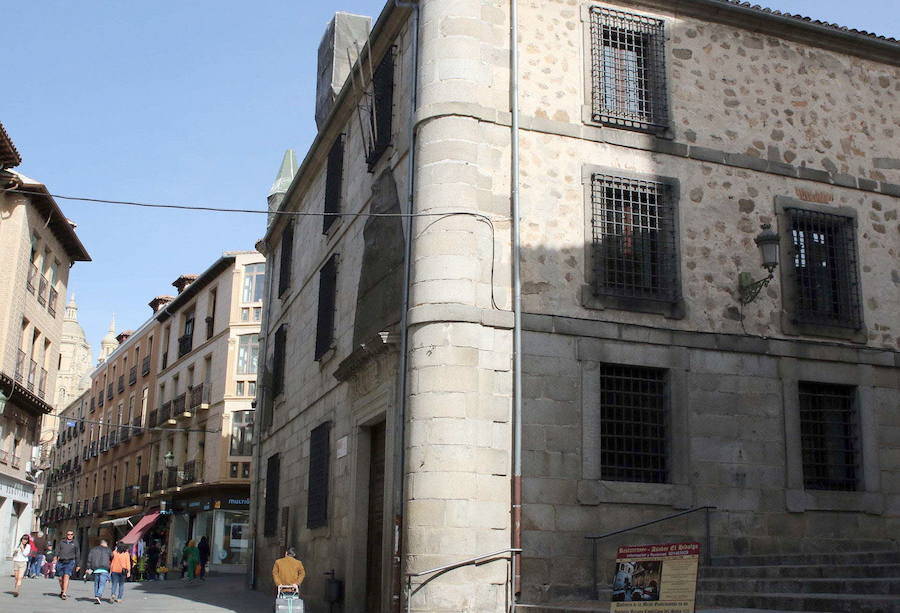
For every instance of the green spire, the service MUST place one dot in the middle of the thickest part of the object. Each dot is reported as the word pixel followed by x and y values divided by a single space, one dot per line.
pixel 285 173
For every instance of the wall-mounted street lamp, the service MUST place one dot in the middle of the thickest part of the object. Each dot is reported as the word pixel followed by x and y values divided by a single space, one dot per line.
pixel 3 399
pixel 169 459
pixel 59 499
pixel 767 241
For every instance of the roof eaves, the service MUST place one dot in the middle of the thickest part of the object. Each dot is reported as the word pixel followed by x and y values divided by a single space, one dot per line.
pixel 9 155
pixel 194 288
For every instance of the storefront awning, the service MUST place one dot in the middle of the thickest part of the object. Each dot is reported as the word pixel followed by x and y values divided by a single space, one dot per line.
pixel 140 528
pixel 117 522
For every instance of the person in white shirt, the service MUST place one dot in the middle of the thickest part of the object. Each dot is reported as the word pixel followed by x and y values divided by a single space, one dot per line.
pixel 20 561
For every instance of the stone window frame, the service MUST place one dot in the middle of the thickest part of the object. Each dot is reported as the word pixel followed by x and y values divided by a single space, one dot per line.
pixel 587 109
pixel 788 280
pixel 674 309
pixel 868 498
pixel 591 490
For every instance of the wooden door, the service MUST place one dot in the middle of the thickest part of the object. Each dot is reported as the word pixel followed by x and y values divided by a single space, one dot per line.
pixel 375 520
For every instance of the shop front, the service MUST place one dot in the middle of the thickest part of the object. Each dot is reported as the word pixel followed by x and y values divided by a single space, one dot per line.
pixel 223 519
pixel 15 517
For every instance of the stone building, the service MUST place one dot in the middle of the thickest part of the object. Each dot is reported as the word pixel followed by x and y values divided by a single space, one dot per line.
pixel 38 246
pixel 166 429
pixel 657 149
pixel 75 361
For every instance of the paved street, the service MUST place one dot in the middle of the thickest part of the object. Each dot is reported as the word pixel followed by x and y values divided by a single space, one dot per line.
pixel 216 595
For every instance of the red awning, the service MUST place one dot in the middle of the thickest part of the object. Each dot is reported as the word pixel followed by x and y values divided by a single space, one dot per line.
pixel 135 534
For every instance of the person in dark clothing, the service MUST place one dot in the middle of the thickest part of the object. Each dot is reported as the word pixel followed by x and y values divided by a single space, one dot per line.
pixel 152 560
pixel 98 564
pixel 68 556
pixel 203 547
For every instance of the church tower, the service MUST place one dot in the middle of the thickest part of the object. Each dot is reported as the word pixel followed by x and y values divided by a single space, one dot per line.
pixel 75 359
pixel 109 342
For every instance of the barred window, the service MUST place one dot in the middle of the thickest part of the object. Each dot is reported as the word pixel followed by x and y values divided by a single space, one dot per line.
pixel 273 475
pixel 327 301
pixel 633 424
pixel 829 436
pixel 633 239
pixel 334 175
pixel 628 70
pixel 317 486
pixel 825 269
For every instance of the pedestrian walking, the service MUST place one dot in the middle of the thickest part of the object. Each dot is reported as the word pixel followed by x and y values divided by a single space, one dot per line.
pixel 119 569
pixel 98 564
pixel 68 557
pixel 288 570
pixel 21 556
pixel 38 545
pixel 191 557
pixel 203 548
pixel 152 560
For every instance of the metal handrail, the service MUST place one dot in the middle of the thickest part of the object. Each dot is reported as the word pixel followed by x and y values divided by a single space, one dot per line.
pixel 440 570
pixel 596 539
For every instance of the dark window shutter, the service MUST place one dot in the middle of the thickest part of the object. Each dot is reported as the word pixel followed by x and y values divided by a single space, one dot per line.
pixel 334 176
pixel 287 259
pixel 273 476
pixel 381 115
pixel 327 298
pixel 317 488
pixel 278 354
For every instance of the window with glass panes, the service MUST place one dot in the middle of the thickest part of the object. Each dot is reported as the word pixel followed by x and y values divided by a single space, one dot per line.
pixel 241 433
pixel 254 283
pixel 248 354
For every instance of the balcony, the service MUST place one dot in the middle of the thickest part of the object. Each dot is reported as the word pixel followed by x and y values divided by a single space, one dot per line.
pixel 105 504
pixel 136 426
pixel 44 286
pixel 185 344
pixel 93 405
pixel 117 499
pixel 32 277
pixel 130 495
pixel 165 412
pixel 32 374
pixel 125 435
pixel 151 419
pixel 121 386
pixel 109 391
pixel 104 443
pixel 145 366
pixel 100 399
pixel 16 462
pixel 171 477
pixel 179 408
pixel 132 375
pixel 4 457
pixel 199 396
pixel 51 302
pixel 145 484
pixel 157 480
pixel 42 384
pixel 20 366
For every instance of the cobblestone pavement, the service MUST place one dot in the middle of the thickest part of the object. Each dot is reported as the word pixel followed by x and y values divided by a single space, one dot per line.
pixel 220 594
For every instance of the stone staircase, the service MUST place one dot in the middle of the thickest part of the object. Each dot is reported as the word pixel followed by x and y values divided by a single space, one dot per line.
pixel 863 582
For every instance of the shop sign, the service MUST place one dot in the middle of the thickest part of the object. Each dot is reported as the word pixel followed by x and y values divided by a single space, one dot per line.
pixel 234 502
pixel 656 578
pixel 17 491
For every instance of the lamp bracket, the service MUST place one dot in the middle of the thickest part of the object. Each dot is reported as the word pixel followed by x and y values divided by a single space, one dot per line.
pixel 748 289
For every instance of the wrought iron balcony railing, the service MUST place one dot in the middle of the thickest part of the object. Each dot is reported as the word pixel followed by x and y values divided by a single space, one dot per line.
pixel 32 375
pixel 43 288
pixel 51 302
pixel 132 375
pixel 32 276
pixel 199 396
pixel 145 366
pixel 20 366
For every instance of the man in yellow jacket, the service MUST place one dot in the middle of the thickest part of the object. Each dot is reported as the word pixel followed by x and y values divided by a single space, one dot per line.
pixel 288 570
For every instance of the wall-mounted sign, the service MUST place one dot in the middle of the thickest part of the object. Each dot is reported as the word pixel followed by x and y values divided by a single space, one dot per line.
pixel 656 578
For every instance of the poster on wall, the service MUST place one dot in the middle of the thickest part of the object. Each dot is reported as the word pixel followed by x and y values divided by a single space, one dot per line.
pixel 656 578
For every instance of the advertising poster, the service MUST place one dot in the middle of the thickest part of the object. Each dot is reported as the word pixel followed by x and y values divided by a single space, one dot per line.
pixel 656 578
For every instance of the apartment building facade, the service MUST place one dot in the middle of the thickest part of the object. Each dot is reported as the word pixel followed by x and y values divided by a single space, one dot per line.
pixel 661 150
pixel 168 427
pixel 38 246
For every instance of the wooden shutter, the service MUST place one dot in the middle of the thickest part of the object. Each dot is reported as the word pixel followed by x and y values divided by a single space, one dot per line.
pixel 327 298
pixel 287 259
pixel 317 487
pixel 381 115
pixel 273 476
pixel 334 176
pixel 278 354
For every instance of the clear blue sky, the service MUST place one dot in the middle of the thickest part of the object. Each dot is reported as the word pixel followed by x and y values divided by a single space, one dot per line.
pixel 188 101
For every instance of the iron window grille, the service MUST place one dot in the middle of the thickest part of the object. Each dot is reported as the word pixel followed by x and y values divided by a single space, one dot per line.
pixel 287 259
pixel 825 269
pixel 633 424
pixel 334 176
pixel 381 110
pixel 327 301
pixel 273 475
pixel 628 70
pixel 633 226
pixel 829 436
pixel 317 486
pixel 278 355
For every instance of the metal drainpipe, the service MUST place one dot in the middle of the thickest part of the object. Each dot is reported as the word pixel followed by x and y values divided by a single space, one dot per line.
pixel 400 417
pixel 517 305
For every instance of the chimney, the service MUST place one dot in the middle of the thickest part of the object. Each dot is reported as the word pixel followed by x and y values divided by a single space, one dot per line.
pixel 183 281
pixel 159 302
pixel 124 336
pixel 343 31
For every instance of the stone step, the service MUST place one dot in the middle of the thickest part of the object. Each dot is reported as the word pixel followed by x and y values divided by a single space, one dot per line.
pixel 821 603
pixel 794 559
pixel 849 571
pixel 603 607
pixel 877 586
